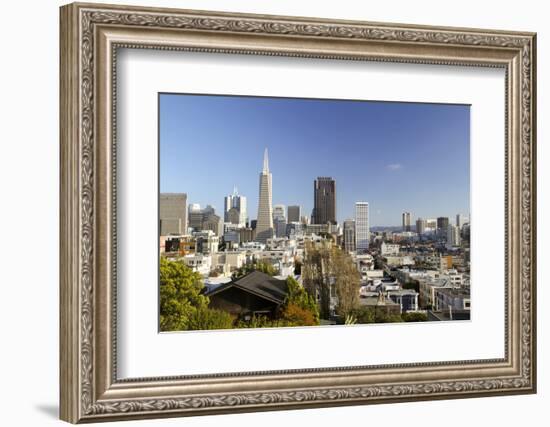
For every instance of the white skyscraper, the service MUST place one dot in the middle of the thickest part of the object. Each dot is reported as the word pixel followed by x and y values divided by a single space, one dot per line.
pixel 264 225
pixel 362 233
pixel 279 211
pixel 238 202
pixel 453 236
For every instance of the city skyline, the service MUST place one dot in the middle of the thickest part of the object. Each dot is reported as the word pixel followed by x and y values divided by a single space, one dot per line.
pixel 237 164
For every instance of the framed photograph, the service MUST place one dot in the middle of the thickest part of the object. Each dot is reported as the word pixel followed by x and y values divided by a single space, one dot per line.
pixel 265 213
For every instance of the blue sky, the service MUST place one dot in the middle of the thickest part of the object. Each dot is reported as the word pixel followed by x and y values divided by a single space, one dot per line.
pixel 396 156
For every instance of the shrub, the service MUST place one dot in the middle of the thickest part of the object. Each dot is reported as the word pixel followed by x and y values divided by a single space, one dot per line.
pixel 414 316
pixel 298 296
pixel 364 315
pixel 294 315
pixel 207 318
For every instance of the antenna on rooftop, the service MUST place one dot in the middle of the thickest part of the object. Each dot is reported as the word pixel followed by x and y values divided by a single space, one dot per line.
pixel 266 162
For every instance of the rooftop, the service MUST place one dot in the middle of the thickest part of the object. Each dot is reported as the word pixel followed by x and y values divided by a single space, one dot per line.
pixel 375 301
pixel 258 283
pixel 454 292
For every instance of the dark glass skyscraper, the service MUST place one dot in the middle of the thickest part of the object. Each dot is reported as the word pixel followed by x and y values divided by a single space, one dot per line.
pixel 324 201
pixel 443 223
pixel 406 220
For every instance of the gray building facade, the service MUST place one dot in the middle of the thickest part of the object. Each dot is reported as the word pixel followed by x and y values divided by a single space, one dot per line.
pixel 173 213
pixel 349 235
pixel 293 213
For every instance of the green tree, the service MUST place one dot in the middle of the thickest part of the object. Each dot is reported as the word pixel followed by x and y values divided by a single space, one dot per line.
pixel 299 297
pixel 182 304
pixel 327 267
pixel 316 273
pixel 264 267
pixel 180 295
pixel 346 281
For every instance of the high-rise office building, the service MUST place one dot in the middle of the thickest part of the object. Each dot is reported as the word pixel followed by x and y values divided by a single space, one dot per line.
pixel 227 206
pixel 195 216
pixel 246 235
pixel 213 222
pixel 279 211
pixel 349 235
pixel 204 219
pixel 280 226
pixel 324 201
pixel 442 223
pixel 279 220
pixel 361 226
pixel 264 225
pixel 173 213
pixel 233 216
pixel 453 236
pixel 461 220
pixel 293 213
pixel 421 225
pixel 431 223
pixel 237 202
pixel 208 210
pixel 406 220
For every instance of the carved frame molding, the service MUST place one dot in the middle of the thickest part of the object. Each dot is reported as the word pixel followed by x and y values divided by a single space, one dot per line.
pixel 90 36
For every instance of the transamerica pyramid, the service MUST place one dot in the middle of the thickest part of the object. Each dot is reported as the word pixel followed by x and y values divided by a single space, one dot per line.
pixel 264 224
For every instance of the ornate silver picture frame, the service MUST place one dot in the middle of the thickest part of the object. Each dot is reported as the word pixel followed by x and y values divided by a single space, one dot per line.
pixel 91 35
